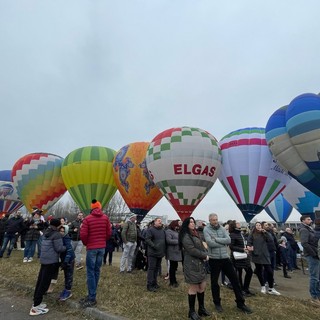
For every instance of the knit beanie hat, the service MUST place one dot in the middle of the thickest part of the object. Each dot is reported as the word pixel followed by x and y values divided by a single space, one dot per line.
pixel 95 204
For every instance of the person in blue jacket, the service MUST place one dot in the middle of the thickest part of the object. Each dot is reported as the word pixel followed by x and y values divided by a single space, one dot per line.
pixel 51 247
pixel 67 263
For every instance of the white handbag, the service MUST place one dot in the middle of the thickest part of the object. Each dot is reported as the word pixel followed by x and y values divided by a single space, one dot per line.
pixel 239 255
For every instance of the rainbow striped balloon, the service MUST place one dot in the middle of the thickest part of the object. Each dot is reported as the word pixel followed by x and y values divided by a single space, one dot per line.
pixel 37 178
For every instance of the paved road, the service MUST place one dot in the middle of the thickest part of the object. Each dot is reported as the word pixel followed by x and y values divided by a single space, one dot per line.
pixel 16 305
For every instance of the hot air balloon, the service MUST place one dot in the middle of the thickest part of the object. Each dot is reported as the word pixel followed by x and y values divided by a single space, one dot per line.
pixel 184 163
pixel 302 199
pixel 9 199
pixel 37 178
pixel 279 209
pixel 87 173
pixel 293 136
pixel 249 173
pixel 133 181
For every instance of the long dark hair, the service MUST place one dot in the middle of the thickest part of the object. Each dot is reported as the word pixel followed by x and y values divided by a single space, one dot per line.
pixel 184 229
pixel 232 226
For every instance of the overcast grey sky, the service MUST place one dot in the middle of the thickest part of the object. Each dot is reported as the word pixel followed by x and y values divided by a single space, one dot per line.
pixel 108 73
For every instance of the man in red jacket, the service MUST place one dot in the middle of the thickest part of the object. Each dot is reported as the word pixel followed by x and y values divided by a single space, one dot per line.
pixel 94 233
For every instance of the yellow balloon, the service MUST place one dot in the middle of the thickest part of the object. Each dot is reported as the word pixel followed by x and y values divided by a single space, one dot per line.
pixel 87 173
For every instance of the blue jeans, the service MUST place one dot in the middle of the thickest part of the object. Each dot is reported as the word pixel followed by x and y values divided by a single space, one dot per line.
pixel 29 249
pixel 8 237
pixel 68 276
pixel 94 260
pixel 314 270
pixel 39 242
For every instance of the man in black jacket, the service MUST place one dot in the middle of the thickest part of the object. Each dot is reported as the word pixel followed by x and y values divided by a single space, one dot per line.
pixel 310 250
pixel 77 245
pixel 156 242
pixel 13 227
pixel 293 249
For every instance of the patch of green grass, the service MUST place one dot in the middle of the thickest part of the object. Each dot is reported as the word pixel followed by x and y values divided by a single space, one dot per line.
pixel 126 295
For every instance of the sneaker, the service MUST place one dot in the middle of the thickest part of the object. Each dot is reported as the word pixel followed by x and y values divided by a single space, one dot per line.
pixel 41 305
pixel 89 304
pixel 274 292
pixel 244 309
pixel 36 311
pixel 263 290
pixel 66 294
pixel 62 293
pixel 25 260
pixel 30 260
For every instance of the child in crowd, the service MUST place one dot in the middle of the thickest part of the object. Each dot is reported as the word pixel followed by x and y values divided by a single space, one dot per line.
pixel 52 246
pixel 284 256
pixel 67 263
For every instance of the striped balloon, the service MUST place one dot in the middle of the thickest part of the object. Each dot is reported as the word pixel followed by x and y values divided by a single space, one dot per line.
pixel 184 163
pixel 293 135
pixel 9 199
pixel 87 173
pixel 279 209
pixel 302 199
pixel 249 173
pixel 37 178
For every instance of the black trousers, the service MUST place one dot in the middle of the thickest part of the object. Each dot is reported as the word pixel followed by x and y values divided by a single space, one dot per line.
pixel 225 265
pixel 46 273
pixel 172 271
pixel 264 273
pixel 154 264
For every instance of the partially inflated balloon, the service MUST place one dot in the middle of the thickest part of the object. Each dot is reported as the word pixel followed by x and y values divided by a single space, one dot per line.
pixel 184 163
pixel 9 199
pixel 37 178
pixel 279 209
pixel 302 199
pixel 133 181
pixel 249 173
pixel 87 173
pixel 293 135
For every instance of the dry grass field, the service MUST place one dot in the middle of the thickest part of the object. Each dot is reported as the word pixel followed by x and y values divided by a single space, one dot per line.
pixel 126 295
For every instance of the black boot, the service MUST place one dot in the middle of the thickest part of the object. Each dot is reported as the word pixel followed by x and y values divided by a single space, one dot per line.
pixel 192 313
pixel 202 310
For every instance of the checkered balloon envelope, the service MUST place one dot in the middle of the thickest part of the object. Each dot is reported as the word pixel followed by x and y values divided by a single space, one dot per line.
pixel 184 163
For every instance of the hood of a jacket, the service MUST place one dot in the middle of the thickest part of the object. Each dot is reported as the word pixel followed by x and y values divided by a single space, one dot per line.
pixel 96 212
pixel 50 230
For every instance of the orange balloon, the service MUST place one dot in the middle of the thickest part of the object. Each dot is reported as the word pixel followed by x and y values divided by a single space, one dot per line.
pixel 132 179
